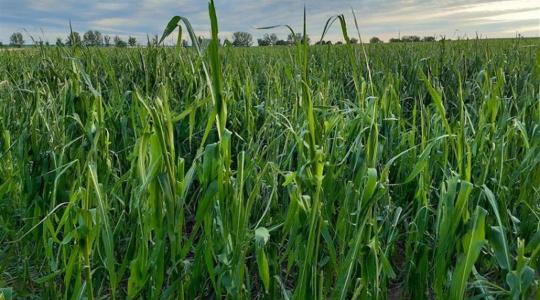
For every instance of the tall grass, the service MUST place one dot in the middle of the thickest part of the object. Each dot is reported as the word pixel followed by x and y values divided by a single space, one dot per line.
pixel 303 172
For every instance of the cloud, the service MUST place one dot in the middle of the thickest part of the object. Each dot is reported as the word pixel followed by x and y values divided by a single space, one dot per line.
pixel 512 17
pixel 384 18
pixel 113 22
pixel 111 6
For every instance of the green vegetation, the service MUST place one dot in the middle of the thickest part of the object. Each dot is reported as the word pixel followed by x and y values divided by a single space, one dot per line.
pixel 16 40
pixel 300 172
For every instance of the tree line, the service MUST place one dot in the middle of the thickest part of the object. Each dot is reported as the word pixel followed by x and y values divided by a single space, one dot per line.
pixel 96 38
pixel 89 38
pixel 239 39
pixel 245 39
pixel 412 39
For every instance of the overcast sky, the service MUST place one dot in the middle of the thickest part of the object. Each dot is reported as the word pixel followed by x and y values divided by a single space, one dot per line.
pixel 48 19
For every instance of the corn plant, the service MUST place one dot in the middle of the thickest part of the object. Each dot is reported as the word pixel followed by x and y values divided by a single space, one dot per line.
pixel 383 171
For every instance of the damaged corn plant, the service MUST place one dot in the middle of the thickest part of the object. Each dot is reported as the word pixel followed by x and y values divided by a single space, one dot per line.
pixel 387 171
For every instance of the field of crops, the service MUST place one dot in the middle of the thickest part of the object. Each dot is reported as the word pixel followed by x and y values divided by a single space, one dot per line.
pixel 271 173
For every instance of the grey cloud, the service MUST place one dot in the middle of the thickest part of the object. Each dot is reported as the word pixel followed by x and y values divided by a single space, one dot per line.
pixel 384 18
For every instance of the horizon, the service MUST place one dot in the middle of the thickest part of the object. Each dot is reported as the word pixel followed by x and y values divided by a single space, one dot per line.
pixel 47 20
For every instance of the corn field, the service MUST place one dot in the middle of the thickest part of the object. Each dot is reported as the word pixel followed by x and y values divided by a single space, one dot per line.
pixel 388 171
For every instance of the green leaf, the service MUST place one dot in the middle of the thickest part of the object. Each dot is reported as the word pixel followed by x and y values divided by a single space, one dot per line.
pixel 262 236
pixel 473 241
pixel 422 161
pixel 6 293
pixel 264 270
pixel 437 100
pixel 107 235
pixel 48 277
pixel 497 241
pixel 497 233
pixel 171 26
pixel 533 246
pixel 327 26
pixel 215 64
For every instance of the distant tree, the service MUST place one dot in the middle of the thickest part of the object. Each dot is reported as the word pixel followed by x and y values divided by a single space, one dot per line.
pixel 227 43
pixel 268 40
pixel 394 40
pixel 1 44
pixel 132 41
pixel 107 40
pixel 262 42
pixel 339 43
pixel 323 43
pixel 281 43
pixel 89 38
pixel 272 37
pixel 375 40
pixel 185 44
pixel 118 42
pixel 242 39
pixel 98 38
pixel 47 43
pixel 93 38
pixel 73 38
pixel 354 41
pixel 410 38
pixel 429 39
pixel 297 38
pixel 16 39
pixel 59 42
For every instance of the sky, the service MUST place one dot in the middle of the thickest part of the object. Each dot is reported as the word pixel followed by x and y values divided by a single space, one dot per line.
pixel 48 19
